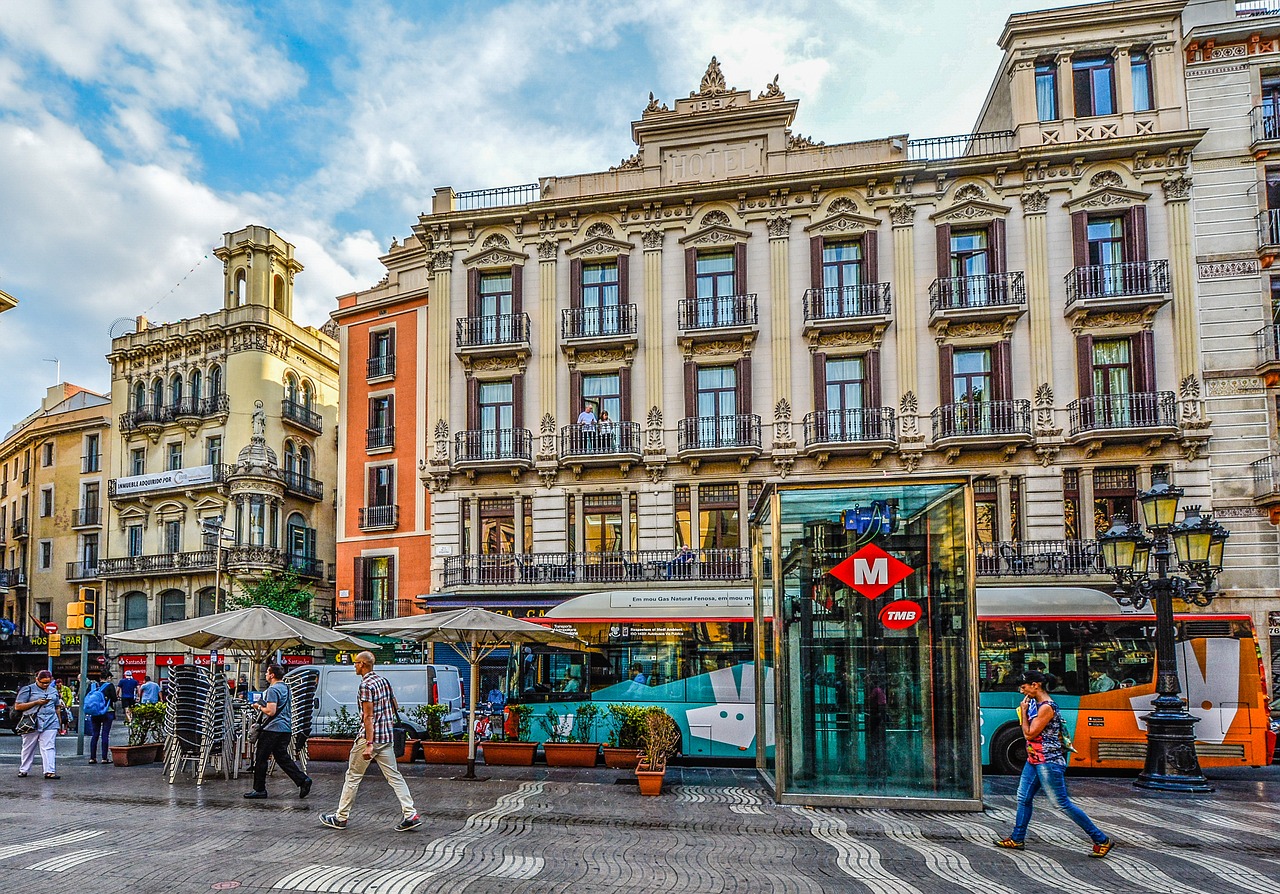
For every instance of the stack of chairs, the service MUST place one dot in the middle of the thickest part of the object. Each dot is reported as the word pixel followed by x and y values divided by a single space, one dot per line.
pixel 198 725
pixel 302 683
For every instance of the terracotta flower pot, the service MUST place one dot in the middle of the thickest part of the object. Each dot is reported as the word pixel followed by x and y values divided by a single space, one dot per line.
pixel 621 758
pixel 444 752
pixel 650 780
pixel 509 754
pixel 571 754
pixel 134 755
pixel 409 753
pixel 323 748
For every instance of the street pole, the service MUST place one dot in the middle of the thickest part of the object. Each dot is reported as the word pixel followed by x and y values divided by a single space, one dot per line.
pixel 81 719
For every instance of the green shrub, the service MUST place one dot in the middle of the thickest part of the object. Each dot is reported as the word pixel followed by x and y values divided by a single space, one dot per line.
pixel 661 737
pixel 431 719
pixel 584 723
pixel 626 726
pixel 146 723
pixel 344 725
pixel 524 722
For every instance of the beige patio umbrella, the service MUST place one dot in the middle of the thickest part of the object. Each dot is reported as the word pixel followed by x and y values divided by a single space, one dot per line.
pixel 257 630
pixel 473 633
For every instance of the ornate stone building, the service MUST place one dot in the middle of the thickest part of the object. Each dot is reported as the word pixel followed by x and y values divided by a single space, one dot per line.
pixel 226 423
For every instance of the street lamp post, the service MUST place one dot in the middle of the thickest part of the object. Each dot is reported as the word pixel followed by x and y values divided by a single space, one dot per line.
pixel 213 528
pixel 1197 544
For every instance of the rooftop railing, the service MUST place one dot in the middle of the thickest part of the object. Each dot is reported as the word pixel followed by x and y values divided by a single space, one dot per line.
pixel 477 199
pixel 959 146
pixel 497 569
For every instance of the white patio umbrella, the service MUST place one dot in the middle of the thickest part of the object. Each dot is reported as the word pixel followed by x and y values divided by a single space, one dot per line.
pixel 473 633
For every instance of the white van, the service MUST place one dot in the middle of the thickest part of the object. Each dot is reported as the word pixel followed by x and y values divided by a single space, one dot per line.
pixel 413 685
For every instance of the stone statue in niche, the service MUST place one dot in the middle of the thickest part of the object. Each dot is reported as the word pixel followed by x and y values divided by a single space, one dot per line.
pixel 259 421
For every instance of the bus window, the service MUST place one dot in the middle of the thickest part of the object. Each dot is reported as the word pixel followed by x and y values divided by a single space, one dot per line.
pixel 1119 657
pixel 1007 648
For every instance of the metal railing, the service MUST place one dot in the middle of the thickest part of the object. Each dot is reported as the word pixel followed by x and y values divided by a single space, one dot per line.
pixel 1138 409
pixel 1268 338
pixel 13 577
pixel 727 564
pixel 1264 122
pixel 127 566
pixel 493 445
pixel 91 463
pixel 495 329
pixel 982 419
pixel 21 528
pixel 305 485
pixel 977 291
pixel 1269 227
pixel 220 473
pixel 1045 558
pixel 476 199
pixel 598 322
pixel 82 570
pixel 1266 477
pixel 718 312
pixel 86 516
pixel 304 566
pixel 870 299
pixel 377 438
pixel 159 414
pixel 718 432
pixel 374 609
pixel 375 517
pixel 1117 280
pixel 1250 8
pixel 601 439
pixel 851 426
pixel 959 146
pixel 301 414
pixel 377 367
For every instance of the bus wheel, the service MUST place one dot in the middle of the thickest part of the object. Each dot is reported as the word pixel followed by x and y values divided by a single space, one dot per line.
pixel 1008 751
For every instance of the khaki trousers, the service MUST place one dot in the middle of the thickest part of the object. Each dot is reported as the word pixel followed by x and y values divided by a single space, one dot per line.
pixel 384 756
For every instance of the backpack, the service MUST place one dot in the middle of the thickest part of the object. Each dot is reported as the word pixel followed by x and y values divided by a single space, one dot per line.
pixel 95 703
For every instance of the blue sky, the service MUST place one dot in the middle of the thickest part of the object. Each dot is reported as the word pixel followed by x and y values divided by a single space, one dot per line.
pixel 134 134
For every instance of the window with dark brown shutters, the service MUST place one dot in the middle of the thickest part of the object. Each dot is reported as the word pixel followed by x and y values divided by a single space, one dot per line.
pixel 382 354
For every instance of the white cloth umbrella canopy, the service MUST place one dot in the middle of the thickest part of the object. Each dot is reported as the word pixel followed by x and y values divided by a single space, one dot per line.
pixel 473 633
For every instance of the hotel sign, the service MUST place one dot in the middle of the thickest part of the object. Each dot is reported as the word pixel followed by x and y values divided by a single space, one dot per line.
pixel 715 161
pixel 138 484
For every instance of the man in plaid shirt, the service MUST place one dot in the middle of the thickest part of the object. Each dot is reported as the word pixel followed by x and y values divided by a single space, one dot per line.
pixel 377 710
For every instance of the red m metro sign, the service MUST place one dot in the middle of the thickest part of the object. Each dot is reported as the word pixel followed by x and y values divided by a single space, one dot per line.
pixel 871 571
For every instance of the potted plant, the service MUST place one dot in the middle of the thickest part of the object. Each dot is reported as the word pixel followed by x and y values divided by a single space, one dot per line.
pixel 516 751
pixel 437 746
pixel 661 741
pixel 339 737
pixel 569 736
pixel 626 735
pixel 144 737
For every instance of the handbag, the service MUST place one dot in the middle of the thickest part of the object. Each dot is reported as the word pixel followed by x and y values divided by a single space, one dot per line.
pixel 26 723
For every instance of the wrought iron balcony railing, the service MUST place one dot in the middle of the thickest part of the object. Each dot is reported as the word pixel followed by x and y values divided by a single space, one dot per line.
pixel 718 312
pixel 719 432
pixel 377 438
pixel 493 445
pixel 1269 227
pixel 851 426
pixel 355 610
pixel 598 322
pixel 21 528
pixel 128 566
pixel 379 367
pixel 977 292
pixel 161 414
pixel 82 570
pixel 492 330
pixel 1268 338
pixel 1266 478
pixel 490 569
pixel 1264 122
pixel 91 463
pixel 13 577
pixel 1139 409
pixel 305 485
pixel 475 199
pixel 960 146
pixel 982 419
pixel 373 518
pixel 1132 278
pixel 602 439
pixel 302 415
pixel 1047 558
pixel 847 302
pixel 220 473
pixel 86 517
pixel 305 566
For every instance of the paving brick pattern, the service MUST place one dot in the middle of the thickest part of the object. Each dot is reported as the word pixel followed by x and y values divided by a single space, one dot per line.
pixel 112 829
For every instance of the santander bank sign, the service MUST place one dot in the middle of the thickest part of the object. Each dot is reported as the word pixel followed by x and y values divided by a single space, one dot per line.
pixel 871 572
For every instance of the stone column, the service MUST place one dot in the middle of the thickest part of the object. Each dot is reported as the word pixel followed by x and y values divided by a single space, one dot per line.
pixel 904 299
pixel 1124 81
pixel 440 327
pixel 780 301
pixel 518 505
pixel 655 346
pixel 626 521
pixel 548 328
pixel 580 524
pixel 1084 511
pixel 1004 509
pixel 1040 311
pixel 1182 275
pixel 695 539
pixel 474 506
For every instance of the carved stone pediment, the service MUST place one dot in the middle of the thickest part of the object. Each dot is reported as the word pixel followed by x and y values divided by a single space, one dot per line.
pixel 1107 197
pixel 600 246
pixel 843 222
pixel 496 257
pixel 974 209
pixel 715 235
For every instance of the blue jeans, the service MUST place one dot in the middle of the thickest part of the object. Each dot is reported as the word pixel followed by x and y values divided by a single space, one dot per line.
pixel 1053 779
pixel 101 728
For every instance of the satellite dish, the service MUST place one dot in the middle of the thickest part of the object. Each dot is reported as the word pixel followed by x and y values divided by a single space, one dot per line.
pixel 122 326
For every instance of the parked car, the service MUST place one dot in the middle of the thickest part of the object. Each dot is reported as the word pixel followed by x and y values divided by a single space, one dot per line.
pixel 413 685
pixel 9 686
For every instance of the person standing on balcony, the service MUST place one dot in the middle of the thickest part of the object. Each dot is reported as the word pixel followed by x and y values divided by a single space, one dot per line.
pixel 587 426
pixel 608 428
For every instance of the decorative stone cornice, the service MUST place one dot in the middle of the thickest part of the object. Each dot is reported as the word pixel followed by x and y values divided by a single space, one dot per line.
pixel 715 235
pixel 496 257
pixel 600 246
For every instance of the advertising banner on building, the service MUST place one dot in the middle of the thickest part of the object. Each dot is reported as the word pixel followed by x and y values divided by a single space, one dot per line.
pixel 138 484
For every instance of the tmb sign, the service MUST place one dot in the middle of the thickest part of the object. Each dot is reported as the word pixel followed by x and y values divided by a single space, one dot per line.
pixel 871 571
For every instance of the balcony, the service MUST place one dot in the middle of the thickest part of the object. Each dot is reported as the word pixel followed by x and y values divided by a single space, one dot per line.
pixel 986 296
pixel 601 444
pixel 632 566
pixel 1133 285
pixel 91 463
pixel 153 417
pixel 301 416
pixel 979 424
pixel 739 434
pixel 1268 359
pixel 171 481
pixel 505 446
pixel 859 429
pixel 21 528
pixel 383 367
pixel 492 331
pixel 12 577
pixel 1266 485
pixel 379 518
pixel 150 417
pixel 718 313
pixel 1264 129
pixel 848 308
pixel 1040 558
pixel 305 566
pixel 87 517
pixel 82 570
pixel 163 563
pixel 608 324
pixel 383 438
pixel 359 610
pixel 1138 415
pixel 246 559
pixel 303 485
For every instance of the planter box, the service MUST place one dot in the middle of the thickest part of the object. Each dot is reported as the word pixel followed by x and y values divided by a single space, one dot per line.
pixel 323 748
pixel 134 755
pixel 565 754
pixel 650 780
pixel 509 754
pixel 621 758
pixel 444 752
pixel 409 753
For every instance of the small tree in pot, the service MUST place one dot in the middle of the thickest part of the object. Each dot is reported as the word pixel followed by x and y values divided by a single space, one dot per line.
pixel 438 747
pixel 568 742
pixel 626 735
pixel 516 750
pixel 661 742
pixel 339 737
pixel 145 724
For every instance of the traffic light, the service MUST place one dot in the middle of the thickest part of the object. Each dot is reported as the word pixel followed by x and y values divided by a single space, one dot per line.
pixel 89 608
pixel 75 616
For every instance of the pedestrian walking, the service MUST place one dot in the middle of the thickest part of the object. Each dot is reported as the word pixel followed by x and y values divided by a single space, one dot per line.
pixel 1046 766
pixel 99 706
pixel 276 705
pixel 375 743
pixel 149 691
pixel 40 700
pixel 128 694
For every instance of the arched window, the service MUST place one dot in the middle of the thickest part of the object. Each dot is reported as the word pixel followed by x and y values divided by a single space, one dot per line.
pixel 157 394
pixel 175 390
pixel 278 293
pixel 304 461
pixel 242 289
pixel 173 606
pixel 308 396
pixel 290 457
pixel 139 396
pixel 197 384
pixel 215 380
pixel 300 543
pixel 291 388
pixel 205 604
pixel 135 610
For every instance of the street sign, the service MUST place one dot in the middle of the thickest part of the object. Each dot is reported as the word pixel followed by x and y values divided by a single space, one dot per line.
pixel 51 628
pixel 870 571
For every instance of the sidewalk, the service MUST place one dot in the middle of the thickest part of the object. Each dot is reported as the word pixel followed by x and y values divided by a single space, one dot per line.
pixel 540 830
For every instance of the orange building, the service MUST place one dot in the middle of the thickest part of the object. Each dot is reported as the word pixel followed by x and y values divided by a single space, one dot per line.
pixel 384 511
